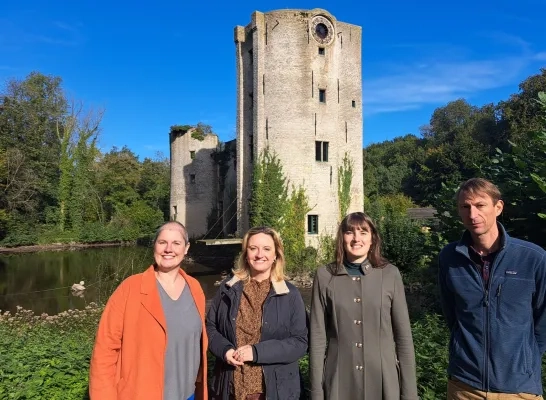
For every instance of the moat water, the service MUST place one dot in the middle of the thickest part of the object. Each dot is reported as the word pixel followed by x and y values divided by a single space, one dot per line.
pixel 42 281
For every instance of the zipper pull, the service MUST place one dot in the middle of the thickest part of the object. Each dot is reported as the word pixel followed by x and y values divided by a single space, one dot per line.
pixel 499 290
pixel 486 298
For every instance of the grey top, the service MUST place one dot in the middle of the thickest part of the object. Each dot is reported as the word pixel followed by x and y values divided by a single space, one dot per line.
pixel 183 354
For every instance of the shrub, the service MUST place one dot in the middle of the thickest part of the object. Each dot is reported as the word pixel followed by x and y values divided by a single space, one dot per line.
pixel 404 239
pixel 46 357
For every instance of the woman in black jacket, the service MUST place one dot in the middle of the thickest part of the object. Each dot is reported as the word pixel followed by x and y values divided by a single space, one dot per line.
pixel 257 326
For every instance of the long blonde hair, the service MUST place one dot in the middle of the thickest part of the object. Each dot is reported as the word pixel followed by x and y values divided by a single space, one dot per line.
pixel 242 269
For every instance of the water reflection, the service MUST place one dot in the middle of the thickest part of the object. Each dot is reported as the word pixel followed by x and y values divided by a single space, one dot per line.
pixel 42 281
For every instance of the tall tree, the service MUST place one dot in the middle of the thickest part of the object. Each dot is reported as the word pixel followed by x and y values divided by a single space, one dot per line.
pixel 521 113
pixel 155 183
pixel 84 203
pixel 387 165
pixel 118 174
pixel 455 148
pixel 30 113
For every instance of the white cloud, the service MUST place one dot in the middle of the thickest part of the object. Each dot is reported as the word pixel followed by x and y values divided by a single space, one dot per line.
pixel 17 33
pixel 423 83
pixel 56 41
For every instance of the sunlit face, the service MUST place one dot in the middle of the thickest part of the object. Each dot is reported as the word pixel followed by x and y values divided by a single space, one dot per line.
pixel 357 243
pixel 478 213
pixel 260 255
pixel 170 248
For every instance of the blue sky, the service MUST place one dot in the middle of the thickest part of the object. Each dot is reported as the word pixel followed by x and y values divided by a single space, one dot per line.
pixel 162 63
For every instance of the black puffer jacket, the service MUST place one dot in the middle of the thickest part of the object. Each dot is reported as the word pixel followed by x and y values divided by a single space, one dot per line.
pixel 283 339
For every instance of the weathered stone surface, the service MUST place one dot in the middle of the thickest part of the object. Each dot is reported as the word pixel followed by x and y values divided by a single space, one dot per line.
pixel 192 200
pixel 280 72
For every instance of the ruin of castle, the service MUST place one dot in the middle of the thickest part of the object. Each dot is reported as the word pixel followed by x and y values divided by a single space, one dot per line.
pixel 299 93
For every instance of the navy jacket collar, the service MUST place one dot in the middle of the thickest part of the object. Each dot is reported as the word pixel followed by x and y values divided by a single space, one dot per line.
pixel 466 240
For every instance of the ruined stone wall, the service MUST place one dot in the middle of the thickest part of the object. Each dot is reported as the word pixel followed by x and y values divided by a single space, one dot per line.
pixel 194 181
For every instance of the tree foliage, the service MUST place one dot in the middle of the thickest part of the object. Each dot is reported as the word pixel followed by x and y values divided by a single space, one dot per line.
pixel 404 240
pixel 457 144
pixel 520 174
pixel 269 194
pixel 272 205
pixel 56 185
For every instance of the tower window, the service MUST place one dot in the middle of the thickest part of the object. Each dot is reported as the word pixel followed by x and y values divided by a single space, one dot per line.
pixel 321 151
pixel 192 154
pixel 312 224
pixel 322 95
pixel 321 51
pixel 354 104
pixel 192 178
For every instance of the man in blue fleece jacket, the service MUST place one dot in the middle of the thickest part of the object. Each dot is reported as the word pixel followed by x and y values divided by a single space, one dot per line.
pixel 493 296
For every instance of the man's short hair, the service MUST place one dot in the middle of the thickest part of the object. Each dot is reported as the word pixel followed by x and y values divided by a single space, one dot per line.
pixel 474 186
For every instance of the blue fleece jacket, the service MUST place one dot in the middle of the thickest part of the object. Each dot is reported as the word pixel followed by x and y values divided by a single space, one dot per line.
pixel 498 332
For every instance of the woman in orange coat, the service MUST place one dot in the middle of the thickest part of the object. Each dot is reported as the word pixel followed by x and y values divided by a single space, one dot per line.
pixel 151 342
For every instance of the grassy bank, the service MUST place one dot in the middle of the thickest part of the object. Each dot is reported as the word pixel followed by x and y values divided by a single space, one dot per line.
pixel 47 357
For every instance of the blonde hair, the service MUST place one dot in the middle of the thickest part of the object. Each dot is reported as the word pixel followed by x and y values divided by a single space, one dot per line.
pixel 242 269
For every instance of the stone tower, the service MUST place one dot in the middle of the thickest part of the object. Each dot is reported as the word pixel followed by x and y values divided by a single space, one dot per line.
pixel 299 92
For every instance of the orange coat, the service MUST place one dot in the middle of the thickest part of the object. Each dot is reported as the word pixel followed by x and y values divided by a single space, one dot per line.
pixel 128 357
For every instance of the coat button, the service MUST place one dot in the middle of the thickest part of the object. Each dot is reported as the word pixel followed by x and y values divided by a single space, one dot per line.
pixel 358 279
pixel 358 344
pixel 359 367
pixel 354 278
pixel 357 300
pixel 357 322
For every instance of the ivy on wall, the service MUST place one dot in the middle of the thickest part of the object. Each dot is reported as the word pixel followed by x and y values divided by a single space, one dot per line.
pixel 269 193
pixel 272 205
pixel 344 181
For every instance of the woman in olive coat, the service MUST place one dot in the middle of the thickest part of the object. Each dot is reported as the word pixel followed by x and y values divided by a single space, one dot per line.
pixel 361 345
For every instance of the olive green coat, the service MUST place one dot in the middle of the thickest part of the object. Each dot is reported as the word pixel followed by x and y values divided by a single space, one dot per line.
pixel 361 345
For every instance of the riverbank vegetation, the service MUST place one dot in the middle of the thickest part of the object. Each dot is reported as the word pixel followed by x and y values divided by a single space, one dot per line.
pixel 57 186
pixel 47 357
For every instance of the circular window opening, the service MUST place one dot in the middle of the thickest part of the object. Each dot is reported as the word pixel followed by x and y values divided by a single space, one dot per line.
pixel 321 30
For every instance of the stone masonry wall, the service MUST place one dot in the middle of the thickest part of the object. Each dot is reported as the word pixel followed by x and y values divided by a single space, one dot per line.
pixel 194 181
pixel 280 73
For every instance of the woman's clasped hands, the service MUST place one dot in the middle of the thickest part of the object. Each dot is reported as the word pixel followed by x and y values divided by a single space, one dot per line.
pixel 240 356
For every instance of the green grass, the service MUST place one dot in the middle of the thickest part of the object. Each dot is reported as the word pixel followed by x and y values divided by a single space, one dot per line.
pixel 47 357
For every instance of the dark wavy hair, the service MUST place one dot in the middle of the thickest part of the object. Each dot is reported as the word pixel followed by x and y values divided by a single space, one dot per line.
pixel 352 222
